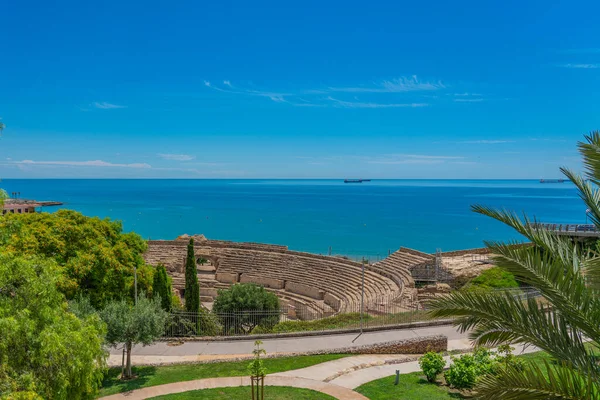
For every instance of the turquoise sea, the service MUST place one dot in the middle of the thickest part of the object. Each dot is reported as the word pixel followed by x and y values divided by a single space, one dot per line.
pixel 367 219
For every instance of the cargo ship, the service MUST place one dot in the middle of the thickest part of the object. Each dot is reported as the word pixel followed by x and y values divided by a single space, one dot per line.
pixel 356 180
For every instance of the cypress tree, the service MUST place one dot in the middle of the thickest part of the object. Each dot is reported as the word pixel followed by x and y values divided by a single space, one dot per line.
pixel 162 287
pixel 192 289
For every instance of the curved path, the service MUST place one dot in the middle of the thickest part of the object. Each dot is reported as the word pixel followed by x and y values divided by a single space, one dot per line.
pixel 163 353
pixel 336 391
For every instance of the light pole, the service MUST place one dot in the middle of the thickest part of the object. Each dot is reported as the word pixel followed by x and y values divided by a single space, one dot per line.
pixel 135 283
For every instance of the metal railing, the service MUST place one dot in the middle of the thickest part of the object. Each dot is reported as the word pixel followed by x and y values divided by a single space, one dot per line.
pixel 379 312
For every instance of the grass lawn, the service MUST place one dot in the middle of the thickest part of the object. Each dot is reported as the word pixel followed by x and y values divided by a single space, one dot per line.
pixel 412 386
pixel 348 320
pixel 243 393
pixel 152 376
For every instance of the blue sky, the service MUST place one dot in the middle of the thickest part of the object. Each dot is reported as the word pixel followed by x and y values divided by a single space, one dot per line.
pixel 308 89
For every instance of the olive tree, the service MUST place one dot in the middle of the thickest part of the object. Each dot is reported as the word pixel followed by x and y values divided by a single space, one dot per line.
pixel 130 325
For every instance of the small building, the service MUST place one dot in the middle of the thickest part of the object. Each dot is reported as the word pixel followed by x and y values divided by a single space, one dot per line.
pixel 22 206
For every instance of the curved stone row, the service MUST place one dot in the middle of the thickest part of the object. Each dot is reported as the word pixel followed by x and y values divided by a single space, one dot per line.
pixel 315 285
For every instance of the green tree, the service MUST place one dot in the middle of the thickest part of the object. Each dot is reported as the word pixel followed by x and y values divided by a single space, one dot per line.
pixel 95 257
pixel 567 274
pixel 130 325
pixel 3 197
pixel 192 288
pixel 244 306
pixel 44 348
pixel 161 286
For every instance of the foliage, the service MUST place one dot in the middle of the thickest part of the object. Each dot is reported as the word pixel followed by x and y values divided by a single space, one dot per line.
pixel 462 373
pixel 567 274
pixel 3 196
pixel 131 325
pixel 256 368
pixel 161 287
pixel 148 376
pixel 192 288
pixel 494 278
pixel 38 335
pixel 432 364
pixel 203 323
pixel 95 258
pixel 244 306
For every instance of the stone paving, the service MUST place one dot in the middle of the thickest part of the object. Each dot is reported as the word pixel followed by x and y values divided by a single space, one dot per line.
pixel 335 391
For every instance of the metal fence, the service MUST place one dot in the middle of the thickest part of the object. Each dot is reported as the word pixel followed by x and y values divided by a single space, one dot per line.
pixel 379 312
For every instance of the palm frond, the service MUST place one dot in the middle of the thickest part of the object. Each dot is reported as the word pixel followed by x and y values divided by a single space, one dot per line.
pixel 589 194
pixel 590 152
pixel 536 382
pixel 493 318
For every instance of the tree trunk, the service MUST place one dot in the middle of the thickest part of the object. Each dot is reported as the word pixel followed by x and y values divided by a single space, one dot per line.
pixel 128 373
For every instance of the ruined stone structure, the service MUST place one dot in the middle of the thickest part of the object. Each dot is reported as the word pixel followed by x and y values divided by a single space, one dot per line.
pixel 315 285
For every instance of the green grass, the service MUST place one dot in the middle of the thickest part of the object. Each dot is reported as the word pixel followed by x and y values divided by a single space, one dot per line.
pixel 347 320
pixel 243 393
pixel 152 376
pixel 414 386
pixel 411 386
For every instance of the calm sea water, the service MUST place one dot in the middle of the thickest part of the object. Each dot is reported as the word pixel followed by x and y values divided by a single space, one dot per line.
pixel 312 215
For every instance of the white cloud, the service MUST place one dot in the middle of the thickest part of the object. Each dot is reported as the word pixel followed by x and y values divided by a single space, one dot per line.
pixel 94 163
pixel 353 104
pixel 413 159
pixel 466 94
pixel 463 100
pixel 176 157
pixel 581 66
pixel 485 141
pixel 398 85
pixel 106 106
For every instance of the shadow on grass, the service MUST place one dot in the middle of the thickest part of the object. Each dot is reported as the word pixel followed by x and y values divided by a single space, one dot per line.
pixel 451 392
pixel 112 379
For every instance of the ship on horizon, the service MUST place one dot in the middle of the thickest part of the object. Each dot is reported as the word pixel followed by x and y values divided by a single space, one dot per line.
pixel 356 180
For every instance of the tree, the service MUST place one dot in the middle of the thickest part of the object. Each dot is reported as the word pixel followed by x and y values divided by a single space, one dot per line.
pixel 244 306
pixel 131 325
pixel 567 274
pixel 161 287
pixel 3 197
pixel 192 288
pixel 95 257
pixel 45 350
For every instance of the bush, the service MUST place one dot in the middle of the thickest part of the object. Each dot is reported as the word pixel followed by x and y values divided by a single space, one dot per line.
pixel 494 278
pixel 466 369
pixel 244 306
pixel 462 374
pixel 432 364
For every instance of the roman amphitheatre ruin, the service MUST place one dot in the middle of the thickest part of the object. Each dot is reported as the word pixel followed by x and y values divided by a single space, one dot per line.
pixel 311 284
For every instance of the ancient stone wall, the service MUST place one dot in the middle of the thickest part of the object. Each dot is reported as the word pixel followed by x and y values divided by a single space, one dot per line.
pixel 226 277
pixel 418 345
pixel 263 281
pixel 304 290
pixel 480 250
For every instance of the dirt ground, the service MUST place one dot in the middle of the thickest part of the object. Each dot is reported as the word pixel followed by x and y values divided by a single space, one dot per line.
pixel 467 265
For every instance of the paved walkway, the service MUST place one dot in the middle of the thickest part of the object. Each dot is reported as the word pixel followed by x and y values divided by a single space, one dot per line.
pixel 333 390
pixel 337 378
pixel 163 353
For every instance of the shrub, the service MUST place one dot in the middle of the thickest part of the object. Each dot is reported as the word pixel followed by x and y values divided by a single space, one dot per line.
pixel 466 369
pixel 244 306
pixel 432 364
pixel 462 374
pixel 494 278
